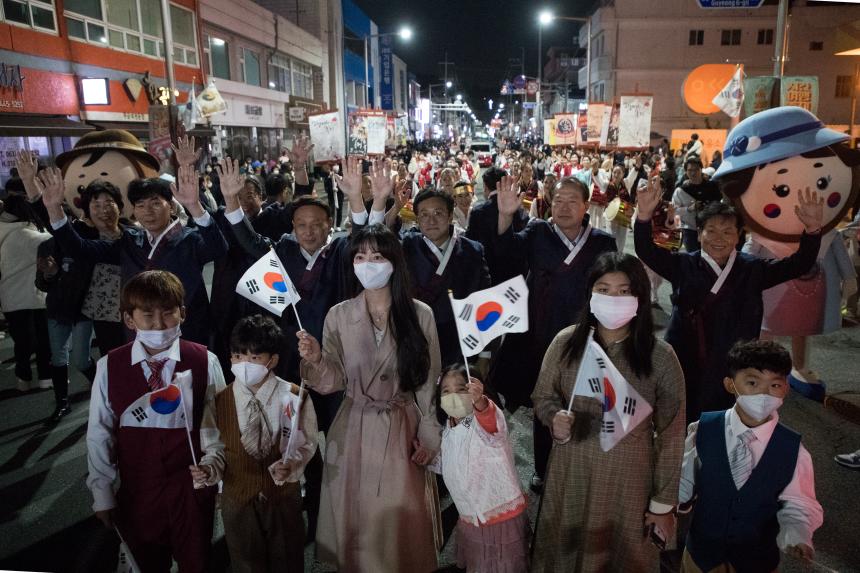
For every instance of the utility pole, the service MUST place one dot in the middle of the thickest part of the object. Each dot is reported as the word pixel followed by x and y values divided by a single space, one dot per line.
pixel 781 44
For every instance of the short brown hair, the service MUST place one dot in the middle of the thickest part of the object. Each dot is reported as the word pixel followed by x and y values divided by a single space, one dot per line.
pixel 152 289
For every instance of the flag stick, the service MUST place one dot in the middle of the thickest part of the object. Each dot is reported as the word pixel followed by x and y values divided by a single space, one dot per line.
pixel 131 559
pixel 187 427
pixel 298 421
pixel 287 278
pixel 465 358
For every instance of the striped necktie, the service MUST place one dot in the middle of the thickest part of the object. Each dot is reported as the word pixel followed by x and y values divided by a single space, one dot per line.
pixel 156 365
pixel 741 460
pixel 257 437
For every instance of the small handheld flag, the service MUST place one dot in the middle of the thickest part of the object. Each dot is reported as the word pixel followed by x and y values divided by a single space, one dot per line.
pixel 163 408
pixel 267 284
pixel 290 417
pixel 487 314
pixel 126 562
pixel 623 407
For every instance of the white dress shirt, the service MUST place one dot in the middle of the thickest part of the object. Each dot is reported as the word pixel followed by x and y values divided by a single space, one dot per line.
pixel 101 432
pixel 800 513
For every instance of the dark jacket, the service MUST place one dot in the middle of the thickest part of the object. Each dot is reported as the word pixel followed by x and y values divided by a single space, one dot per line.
pixel 703 327
pixel 484 228
pixel 67 289
pixel 465 273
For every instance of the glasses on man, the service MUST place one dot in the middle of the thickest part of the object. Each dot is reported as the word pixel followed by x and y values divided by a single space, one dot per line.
pixel 431 214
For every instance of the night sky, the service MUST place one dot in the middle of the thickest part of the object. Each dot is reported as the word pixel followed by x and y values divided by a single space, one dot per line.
pixel 480 36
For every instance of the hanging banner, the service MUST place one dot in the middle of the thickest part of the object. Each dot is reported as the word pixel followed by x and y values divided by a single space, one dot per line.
pixel 549 131
pixel 367 132
pixel 801 91
pixel 614 121
pixel 565 129
pixel 594 122
pixel 712 140
pixel 386 80
pixel 604 125
pixel 581 127
pixel 401 127
pixel 758 94
pixel 327 136
pixel 634 128
pixel 390 131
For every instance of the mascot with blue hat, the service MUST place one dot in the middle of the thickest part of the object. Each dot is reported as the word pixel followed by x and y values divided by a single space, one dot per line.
pixel 769 158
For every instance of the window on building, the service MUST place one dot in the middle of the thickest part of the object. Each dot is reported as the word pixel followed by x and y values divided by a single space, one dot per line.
pixel 217 56
pixel 843 86
pixel 37 14
pixel 132 26
pixel 697 37
pixel 731 37
pixel 816 46
pixel 597 46
pixel 303 79
pixel 279 74
pixel 765 37
pixel 250 64
pixel 599 91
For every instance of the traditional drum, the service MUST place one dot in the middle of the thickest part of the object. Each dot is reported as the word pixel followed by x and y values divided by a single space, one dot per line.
pixel 619 212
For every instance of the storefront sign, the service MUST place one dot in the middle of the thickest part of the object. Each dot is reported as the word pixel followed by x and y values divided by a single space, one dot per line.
pixel 297 115
pixel 10 77
pixel 254 110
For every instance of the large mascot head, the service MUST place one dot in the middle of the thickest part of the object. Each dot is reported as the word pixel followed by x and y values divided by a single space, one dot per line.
pixel 770 156
pixel 114 155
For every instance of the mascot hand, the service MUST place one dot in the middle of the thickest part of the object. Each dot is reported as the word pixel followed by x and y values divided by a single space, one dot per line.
pixel 810 210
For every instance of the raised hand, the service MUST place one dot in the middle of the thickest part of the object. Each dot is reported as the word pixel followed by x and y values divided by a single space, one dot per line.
pixel 649 199
pixel 187 191
pixel 381 183
pixel 476 393
pixel 402 193
pixel 309 348
pixel 185 152
pixel 350 181
pixel 27 166
pixel 299 153
pixel 232 182
pixel 53 189
pixel 810 210
pixel 509 199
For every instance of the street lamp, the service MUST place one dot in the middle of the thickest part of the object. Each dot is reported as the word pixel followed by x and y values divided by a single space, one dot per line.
pixel 405 33
pixel 459 97
pixel 448 84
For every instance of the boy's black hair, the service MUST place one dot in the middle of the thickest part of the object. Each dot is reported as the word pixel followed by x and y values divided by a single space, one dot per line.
pixel 761 355
pixel 693 160
pixel 718 209
pixel 491 177
pixel 257 334
pixel 140 189
pixel 430 193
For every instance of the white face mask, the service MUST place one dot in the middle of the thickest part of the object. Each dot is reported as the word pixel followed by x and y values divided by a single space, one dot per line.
pixel 613 311
pixel 158 339
pixel 759 407
pixel 373 275
pixel 249 373
pixel 457 405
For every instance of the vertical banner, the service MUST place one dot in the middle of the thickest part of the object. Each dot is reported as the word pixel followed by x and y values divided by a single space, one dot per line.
pixel 801 91
pixel 758 94
pixel 401 127
pixel 549 131
pixel 159 135
pixel 634 128
pixel 367 132
pixel 604 125
pixel 612 131
pixel 390 131
pixel 386 81
pixel 565 129
pixel 594 122
pixel 581 126
pixel 327 136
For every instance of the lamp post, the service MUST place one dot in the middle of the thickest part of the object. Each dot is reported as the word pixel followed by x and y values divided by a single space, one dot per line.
pixel 405 33
pixel 544 19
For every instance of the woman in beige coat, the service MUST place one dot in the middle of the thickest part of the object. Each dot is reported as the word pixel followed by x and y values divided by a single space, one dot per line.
pixel 379 509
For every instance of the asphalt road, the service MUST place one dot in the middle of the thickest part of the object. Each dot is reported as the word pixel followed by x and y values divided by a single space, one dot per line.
pixel 46 523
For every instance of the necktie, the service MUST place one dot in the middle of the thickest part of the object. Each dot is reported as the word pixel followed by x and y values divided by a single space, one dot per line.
pixel 741 460
pixel 156 365
pixel 257 437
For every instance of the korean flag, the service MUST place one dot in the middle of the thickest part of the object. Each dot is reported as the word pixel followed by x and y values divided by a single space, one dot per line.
pixel 490 313
pixel 267 284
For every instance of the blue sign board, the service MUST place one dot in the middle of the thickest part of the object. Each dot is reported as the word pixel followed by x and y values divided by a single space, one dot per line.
pixel 386 76
pixel 737 4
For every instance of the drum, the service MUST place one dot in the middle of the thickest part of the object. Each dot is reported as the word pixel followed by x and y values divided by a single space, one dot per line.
pixel 619 212
pixel 527 203
pixel 669 239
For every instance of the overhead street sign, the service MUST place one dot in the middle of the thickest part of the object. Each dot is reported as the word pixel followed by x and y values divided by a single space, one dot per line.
pixel 730 3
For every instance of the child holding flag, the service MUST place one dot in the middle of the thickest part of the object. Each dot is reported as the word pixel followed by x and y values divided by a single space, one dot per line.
pixel 151 416
pixel 750 477
pixel 613 397
pixel 269 430
pixel 478 467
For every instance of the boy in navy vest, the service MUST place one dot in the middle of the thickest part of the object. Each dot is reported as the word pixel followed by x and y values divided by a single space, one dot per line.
pixel 153 400
pixel 750 477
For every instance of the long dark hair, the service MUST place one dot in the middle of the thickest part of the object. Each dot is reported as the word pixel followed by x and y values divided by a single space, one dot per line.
pixel 639 345
pixel 413 351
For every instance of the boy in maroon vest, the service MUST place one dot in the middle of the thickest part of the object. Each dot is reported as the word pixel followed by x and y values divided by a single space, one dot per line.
pixel 270 434
pixel 143 424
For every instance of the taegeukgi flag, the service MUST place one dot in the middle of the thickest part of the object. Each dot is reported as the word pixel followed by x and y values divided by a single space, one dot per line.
pixel 267 284
pixel 490 313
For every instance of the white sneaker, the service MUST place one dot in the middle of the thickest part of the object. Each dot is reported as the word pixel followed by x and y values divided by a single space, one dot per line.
pixel 24 385
pixel 46 384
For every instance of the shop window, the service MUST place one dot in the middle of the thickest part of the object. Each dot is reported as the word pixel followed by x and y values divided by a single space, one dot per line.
pixel 38 14
pixel 131 25
pixel 250 64
pixel 303 80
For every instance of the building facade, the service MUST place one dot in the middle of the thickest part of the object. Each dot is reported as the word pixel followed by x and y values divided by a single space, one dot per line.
pixel 650 46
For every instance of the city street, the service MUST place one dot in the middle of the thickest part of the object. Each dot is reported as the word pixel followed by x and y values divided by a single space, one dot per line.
pixel 46 523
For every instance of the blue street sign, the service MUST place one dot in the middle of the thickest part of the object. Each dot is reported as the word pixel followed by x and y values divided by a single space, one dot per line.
pixel 730 3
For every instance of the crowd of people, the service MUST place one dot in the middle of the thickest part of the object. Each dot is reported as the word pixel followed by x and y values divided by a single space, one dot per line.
pixel 368 368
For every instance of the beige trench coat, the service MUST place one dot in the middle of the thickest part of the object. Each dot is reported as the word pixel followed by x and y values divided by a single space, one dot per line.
pixel 376 512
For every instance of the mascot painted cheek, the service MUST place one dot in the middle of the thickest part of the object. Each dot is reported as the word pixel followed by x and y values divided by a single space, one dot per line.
pixel 114 155
pixel 769 158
